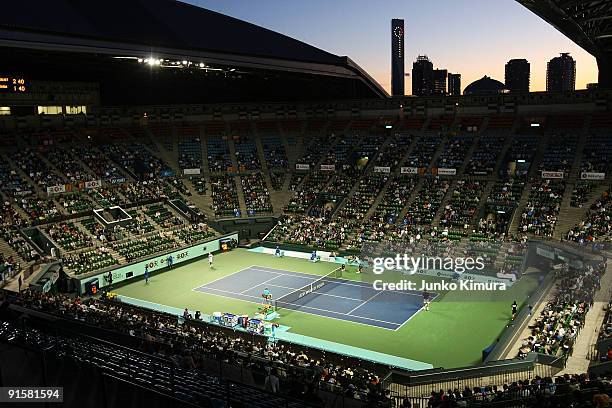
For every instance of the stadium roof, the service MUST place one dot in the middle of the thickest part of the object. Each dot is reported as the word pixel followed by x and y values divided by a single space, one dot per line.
pixel 586 22
pixel 166 28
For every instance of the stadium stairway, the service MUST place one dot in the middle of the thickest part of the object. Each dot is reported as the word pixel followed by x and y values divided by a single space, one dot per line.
pixel 445 200
pixel 15 207
pixel 579 361
pixel 436 155
pixel 502 155
pixel 396 173
pixel 232 152
pixel 533 173
pixel 262 158
pixel 36 188
pixel 278 199
pixel 518 212
pixel 469 153
pixel 574 173
pixel 295 151
pixel 8 251
pixel 569 217
pixel 204 147
pixel 170 157
pixel 413 196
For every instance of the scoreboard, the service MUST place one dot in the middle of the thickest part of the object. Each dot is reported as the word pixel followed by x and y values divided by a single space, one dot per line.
pixel 13 84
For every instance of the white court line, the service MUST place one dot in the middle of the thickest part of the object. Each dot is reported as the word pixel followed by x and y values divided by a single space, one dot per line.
pixel 358 306
pixel 417 312
pixel 262 283
pixel 338 281
pixel 223 277
pixel 318 293
pixel 313 308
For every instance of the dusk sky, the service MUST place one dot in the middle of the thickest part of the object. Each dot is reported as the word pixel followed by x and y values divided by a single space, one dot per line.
pixel 471 37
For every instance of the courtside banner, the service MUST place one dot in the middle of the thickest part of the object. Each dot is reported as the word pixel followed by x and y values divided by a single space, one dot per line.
pixel 552 174
pixel 93 184
pixel 56 189
pixel 592 176
pixel 191 171
pixel 302 166
pixel 446 172
pixel 379 169
pixel 158 262
pixel 409 170
pixel 328 167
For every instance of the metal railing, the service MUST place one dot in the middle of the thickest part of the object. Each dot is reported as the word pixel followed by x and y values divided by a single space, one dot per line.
pixel 420 384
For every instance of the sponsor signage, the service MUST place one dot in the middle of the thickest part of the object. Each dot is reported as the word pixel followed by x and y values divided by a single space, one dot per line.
pixel 328 167
pixel 191 171
pixel 409 170
pixel 552 174
pixel 379 169
pixel 302 166
pixel 56 189
pixel 93 184
pixel 22 192
pixel 447 172
pixel 592 176
pixel 117 180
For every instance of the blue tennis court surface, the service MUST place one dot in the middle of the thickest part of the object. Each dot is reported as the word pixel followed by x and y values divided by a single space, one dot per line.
pixel 337 298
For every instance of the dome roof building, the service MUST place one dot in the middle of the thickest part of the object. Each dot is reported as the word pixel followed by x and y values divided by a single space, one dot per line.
pixel 485 86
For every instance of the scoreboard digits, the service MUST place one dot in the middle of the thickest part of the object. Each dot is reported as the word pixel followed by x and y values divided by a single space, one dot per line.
pixel 13 84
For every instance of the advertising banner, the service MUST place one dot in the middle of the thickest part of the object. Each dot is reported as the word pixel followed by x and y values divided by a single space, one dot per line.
pixel 552 174
pixel 379 169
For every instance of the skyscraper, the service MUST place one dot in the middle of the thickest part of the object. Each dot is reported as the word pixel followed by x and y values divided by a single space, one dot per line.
pixel 422 76
pixel 561 74
pixel 397 57
pixel 439 81
pixel 517 75
pixel 454 84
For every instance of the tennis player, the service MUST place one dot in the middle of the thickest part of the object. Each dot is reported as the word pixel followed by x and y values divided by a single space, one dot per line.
pixel 210 260
pixel 426 300
pixel 146 274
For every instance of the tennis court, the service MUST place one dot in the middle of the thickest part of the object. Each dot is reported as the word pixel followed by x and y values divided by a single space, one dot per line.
pixel 329 296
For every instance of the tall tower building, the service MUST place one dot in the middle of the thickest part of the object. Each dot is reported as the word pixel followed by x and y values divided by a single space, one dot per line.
pixel 439 81
pixel 422 76
pixel 454 84
pixel 561 74
pixel 517 75
pixel 397 57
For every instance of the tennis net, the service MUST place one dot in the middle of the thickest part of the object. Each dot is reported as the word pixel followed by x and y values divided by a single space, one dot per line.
pixel 289 300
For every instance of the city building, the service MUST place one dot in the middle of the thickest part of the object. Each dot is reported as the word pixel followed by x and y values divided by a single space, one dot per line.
pixel 397 57
pixel 517 75
pixel 454 84
pixel 422 76
pixel 561 74
pixel 439 81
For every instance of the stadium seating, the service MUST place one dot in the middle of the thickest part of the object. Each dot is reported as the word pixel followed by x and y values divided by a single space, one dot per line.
pixel 256 195
pixel 224 196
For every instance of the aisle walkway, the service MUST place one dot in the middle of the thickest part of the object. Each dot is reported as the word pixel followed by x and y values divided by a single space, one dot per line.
pixel 579 361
